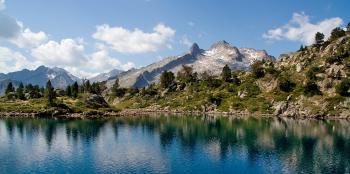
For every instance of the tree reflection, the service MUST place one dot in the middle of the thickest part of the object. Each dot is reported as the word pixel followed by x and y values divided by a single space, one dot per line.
pixel 301 146
pixel 288 139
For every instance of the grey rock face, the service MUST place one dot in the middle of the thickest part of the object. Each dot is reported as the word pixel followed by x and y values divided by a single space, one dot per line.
pixel 211 60
pixel 105 76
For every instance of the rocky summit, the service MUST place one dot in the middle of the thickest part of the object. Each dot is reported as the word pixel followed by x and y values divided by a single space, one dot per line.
pixel 211 60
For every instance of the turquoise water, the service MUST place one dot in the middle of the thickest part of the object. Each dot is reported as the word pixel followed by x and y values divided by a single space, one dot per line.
pixel 174 144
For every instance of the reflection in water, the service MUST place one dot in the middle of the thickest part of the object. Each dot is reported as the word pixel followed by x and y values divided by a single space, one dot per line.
pixel 175 144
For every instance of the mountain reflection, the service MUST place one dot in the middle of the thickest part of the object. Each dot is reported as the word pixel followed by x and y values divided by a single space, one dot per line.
pixel 286 144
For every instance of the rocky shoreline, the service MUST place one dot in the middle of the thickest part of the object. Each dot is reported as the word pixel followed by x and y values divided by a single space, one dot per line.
pixel 149 112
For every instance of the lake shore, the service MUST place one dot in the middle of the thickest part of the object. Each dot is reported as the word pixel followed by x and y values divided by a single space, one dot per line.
pixel 147 112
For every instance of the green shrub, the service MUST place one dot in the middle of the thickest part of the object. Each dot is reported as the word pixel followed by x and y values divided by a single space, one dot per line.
pixel 311 73
pixel 333 60
pixel 336 33
pixel 257 69
pixel 286 85
pixel 311 89
pixel 343 88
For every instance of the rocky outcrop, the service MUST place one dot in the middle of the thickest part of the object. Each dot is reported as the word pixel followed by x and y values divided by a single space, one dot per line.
pixel 96 101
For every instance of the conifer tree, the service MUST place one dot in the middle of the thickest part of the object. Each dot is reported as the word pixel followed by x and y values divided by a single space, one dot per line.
pixel 50 93
pixel 319 38
pixel 9 88
pixel 226 73
pixel 20 92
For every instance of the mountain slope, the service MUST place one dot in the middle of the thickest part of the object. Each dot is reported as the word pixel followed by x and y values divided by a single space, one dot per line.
pixel 60 78
pixel 212 60
pixel 313 82
pixel 105 76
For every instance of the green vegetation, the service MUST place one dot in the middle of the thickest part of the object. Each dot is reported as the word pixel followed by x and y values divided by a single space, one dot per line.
pixel 319 38
pixel 314 80
pixel 343 88
pixel 29 98
pixel 50 94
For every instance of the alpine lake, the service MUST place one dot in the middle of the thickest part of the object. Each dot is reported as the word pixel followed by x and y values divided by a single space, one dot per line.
pixel 174 144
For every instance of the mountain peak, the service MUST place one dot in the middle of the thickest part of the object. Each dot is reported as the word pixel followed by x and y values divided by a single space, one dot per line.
pixel 194 49
pixel 221 43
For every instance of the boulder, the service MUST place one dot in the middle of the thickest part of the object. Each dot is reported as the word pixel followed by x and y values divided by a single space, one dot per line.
pixel 280 107
pixel 96 101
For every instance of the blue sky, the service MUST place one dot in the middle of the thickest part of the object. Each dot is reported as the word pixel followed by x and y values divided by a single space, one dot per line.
pixel 88 37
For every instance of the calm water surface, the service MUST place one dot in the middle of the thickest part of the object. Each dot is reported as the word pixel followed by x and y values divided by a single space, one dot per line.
pixel 174 144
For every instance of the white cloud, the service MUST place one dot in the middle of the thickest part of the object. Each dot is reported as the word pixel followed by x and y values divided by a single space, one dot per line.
pixel 2 4
pixel 29 39
pixel 70 55
pixel 299 28
pixel 136 41
pixel 101 60
pixel 68 52
pixel 15 32
pixel 13 61
pixel 9 28
pixel 186 41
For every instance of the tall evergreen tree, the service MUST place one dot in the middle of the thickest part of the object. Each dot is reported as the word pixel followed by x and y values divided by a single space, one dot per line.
pixel 226 73
pixel 95 88
pixel 50 93
pixel 167 79
pixel 69 91
pixel 20 92
pixel 319 38
pixel 87 86
pixel 75 90
pixel 348 27
pixel 9 88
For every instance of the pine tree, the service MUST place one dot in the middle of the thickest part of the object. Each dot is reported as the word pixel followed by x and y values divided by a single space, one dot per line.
pixel 226 73
pixel 348 27
pixel 69 91
pixel 50 93
pixel 20 92
pixel 319 38
pixel 9 88
pixel 75 90
pixel 95 88
pixel 167 79
pixel 87 86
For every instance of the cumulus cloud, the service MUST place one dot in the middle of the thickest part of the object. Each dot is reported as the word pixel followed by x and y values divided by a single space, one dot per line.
pixel 68 52
pixel 134 41
pixel 299 28
pixel 71 55
pixel 15 32
pixel 13 61
pixel 186 41
pixel 101 60
pixel 29 39
pixel 9 27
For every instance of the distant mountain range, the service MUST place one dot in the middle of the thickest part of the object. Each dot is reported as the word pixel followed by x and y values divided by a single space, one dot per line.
pixel 211 60
pixel 59 77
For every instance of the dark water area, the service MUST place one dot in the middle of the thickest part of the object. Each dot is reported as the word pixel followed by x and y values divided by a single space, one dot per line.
pixel 174 144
